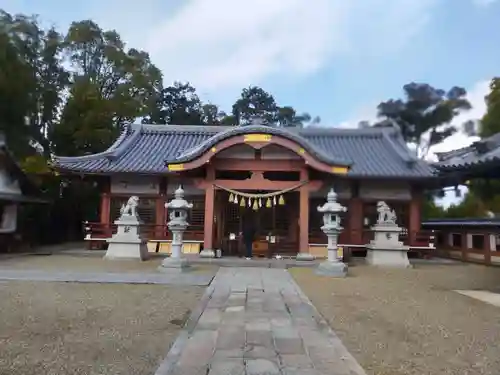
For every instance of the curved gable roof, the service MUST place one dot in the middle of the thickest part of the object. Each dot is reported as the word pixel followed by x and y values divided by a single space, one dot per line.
pixel 372 152
pixel 318 153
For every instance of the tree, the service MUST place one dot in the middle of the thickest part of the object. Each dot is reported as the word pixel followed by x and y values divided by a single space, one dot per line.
pixel 425 115
pixel 109 87
pixel 471 206
pixel 287 117
pixel 14 97
pixel 490 123
pixel 255 102
pixel 43 75
pixel 179 105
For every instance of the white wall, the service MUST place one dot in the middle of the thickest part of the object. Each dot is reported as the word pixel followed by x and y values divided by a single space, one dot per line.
pixel 188 187
pixel 385 191
pixel 130 185
pixel 278 153
pixel 8 184
pixel 237 152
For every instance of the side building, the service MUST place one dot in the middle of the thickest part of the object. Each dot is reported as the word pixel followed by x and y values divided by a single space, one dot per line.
pixel 469 239
pixel 16 189
pixel 273 176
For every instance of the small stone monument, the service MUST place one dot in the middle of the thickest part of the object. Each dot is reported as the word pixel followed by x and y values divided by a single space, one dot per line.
pixel 386 249
pixel 178 212
pixel 127 243
pixel 333 266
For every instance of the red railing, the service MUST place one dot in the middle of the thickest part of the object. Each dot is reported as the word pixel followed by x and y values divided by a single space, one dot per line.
pixel 97 233
pixel 362 237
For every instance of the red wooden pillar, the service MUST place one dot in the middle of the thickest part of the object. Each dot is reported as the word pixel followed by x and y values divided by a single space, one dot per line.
pixel 355 225
pixel 208 230
pixel 414 220
pixel 304 213
pixel 465 246
pixel 105 209
pixel 355 215
pixel 487 248
pixel 161 210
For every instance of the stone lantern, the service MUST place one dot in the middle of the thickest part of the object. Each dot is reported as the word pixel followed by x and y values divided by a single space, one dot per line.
pixel 331 210
pixel 178 212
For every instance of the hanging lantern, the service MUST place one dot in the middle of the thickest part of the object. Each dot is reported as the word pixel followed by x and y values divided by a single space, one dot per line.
pixel 235 199
pixel 255 205
pixel 274 200
pixel 231 197
pixel 268 203
pixel 281 200
pixel 242 202
pixel 260 202
pixel 249 202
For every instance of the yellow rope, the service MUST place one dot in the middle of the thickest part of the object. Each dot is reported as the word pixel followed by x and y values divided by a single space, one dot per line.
pixel 266 195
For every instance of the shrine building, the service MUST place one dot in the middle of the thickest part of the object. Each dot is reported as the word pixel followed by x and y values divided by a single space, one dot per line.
pixel 473 239
pixel 273 176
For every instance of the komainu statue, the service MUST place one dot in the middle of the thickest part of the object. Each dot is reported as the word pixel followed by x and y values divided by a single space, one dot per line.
pixel 131 207
pixel 385 214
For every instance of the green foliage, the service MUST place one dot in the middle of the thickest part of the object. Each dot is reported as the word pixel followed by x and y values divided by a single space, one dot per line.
pixel 255 102
pixel 70 92
pixel 425 115
pixel 490 123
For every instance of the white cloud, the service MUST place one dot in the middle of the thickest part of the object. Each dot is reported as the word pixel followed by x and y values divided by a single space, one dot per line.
pixel 223 44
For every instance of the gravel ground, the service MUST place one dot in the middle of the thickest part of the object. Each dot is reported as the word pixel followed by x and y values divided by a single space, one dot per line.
pixel 89 329
pixel 411 322
pixel 65 262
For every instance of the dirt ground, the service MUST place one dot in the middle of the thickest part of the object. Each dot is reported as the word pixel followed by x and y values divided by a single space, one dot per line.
pixel 93 263
pixel 411 322
pixel 89 329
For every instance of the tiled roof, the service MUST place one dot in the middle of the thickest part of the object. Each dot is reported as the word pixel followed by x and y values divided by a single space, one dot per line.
pixel 27 186
pixel 146 149
pixel 482 152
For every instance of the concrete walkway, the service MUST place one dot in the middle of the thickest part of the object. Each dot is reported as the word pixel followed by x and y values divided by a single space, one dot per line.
pixel 256 321
pixel 107 277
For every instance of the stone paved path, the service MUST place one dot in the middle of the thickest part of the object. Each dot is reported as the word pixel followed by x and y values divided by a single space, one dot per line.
pixel 108 277
pixel 256 321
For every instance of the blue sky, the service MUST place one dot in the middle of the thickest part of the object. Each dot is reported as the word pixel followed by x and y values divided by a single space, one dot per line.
pixel 333 58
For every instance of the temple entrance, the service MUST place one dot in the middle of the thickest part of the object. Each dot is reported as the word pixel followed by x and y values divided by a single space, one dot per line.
pixel 273 221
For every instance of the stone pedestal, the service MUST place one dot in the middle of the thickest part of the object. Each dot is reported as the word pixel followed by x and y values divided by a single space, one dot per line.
pixel 333 266
pixel 304 257
pixel 176 261
pixel 385 249
pixel 207 253
pixel 332 269
pixel 127 242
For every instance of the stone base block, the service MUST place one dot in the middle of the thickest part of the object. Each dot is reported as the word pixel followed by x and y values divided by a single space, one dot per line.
pixel 397 258
pixel 332 269
pixel 127 250
pixel 207 253
pixel 174 265
pixel 304 256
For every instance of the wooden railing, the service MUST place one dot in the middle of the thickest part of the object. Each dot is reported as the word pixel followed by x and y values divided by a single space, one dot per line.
pixel 97 233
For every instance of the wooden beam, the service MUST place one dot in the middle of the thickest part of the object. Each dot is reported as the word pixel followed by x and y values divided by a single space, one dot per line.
pixel 262 165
